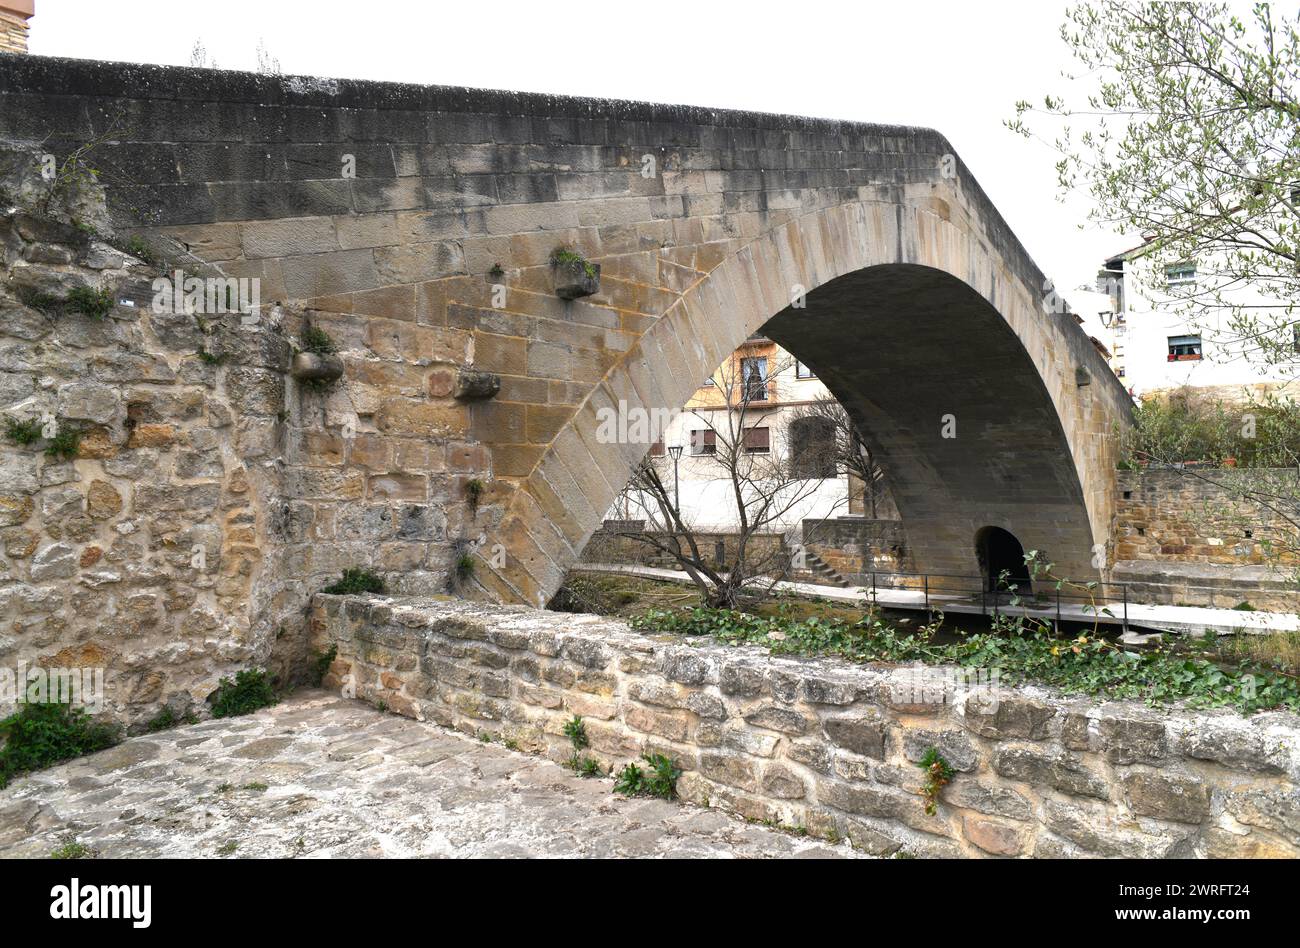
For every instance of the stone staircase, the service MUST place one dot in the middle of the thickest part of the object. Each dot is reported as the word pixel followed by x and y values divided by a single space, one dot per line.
pixel 817 570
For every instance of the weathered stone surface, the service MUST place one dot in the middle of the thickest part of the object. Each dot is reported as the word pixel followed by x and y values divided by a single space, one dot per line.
pixel 783 783
pixel 736 679
pixel 953 745
pixel 992 800
pixel 1167 796
pixel 1237 744
pixel 863 735
pixel 778 718
pixel 1132 739
pixel 103 501
pixel 54 561
pixel 1000 839
pixel 88 401
pixel 475 385
pixel 1010 718
pixel 1062 772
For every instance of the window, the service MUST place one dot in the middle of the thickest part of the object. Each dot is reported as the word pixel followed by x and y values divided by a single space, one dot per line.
pixel 753 374
pixel 812 447
pixel 757 440
pixel 657 449
pixel 704 441
pixel 802 371
pixel 1184 348
pixel 1180 274
pixel 1295 338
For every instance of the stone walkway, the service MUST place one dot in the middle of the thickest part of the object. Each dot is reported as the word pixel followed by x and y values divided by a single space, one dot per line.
pixel 322 776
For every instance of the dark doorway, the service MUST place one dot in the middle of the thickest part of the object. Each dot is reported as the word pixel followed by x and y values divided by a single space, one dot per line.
pixel 1000 552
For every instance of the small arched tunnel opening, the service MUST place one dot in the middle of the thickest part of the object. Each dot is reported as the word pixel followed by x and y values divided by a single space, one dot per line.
pixel 1002 561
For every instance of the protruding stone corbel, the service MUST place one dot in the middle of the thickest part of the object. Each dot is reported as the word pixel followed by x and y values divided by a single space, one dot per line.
pixel 575 275
pixel 1082 376
pixel 316 367
pixel 474 385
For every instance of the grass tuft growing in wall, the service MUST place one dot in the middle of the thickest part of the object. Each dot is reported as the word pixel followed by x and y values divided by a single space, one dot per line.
pixel 249 691
pixel 356 580
pixel 39 735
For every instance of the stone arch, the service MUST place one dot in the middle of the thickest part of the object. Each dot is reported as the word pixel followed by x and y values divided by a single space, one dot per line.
pixel 925 242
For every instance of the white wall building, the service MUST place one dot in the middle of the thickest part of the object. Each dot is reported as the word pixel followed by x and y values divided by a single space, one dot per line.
pixel 1153 347
pixel 707 499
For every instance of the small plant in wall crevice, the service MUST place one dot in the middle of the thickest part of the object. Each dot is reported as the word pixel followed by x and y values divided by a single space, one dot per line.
pixel 63 446
pixel 317 340
pixel 462 567
pixel 575 275
pixel 22 431
pixel 576 732
pixel 474 490
pixel 356 580
pixel 315 364
pixel 563 256
pixel 938 773
pixel 659 780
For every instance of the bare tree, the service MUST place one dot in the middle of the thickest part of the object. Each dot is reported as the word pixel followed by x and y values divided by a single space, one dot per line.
pixel 199 57
pixel 1188 136
pixel 267 64
pixel 763 486
pixel 838 448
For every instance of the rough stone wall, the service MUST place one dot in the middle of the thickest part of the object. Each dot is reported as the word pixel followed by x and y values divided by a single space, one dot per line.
pixel 1168 516
pixel 146 553
pixel 608 547
pixel 1182 540
pixel 834 747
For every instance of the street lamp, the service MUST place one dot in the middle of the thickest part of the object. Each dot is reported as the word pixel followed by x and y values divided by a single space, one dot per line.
pixel 676 452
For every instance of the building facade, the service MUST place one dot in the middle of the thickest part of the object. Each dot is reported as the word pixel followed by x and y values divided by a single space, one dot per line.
pixel 763 389
pixel 1153 346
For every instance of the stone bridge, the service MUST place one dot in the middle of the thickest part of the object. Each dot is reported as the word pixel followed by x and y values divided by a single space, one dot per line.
pixel 386 210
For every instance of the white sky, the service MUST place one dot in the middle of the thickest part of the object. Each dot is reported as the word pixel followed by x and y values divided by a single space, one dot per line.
pixel 957 67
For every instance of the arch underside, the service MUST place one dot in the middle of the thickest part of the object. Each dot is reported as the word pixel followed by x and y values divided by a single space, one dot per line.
pixel 915 354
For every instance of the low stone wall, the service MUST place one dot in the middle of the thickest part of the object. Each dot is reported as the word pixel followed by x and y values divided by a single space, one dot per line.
pixel 606 546
pixel 855 546
pixel 1206 584
pixel 830 746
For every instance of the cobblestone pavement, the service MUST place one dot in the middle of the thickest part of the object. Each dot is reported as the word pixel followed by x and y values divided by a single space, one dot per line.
pixel 322 776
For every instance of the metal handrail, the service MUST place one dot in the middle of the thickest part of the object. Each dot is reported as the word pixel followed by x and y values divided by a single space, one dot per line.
pixel 1029 600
